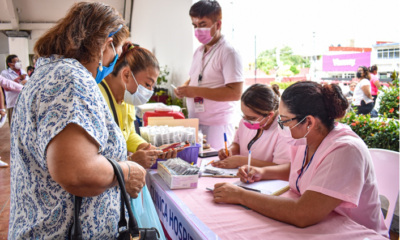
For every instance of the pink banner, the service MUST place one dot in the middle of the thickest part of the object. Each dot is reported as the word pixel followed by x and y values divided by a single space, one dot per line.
pixel 346 62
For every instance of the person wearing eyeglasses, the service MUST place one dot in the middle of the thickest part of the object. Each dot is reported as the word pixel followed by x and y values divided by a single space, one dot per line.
pixel 332 169
pixel 363 98
pixel 258 131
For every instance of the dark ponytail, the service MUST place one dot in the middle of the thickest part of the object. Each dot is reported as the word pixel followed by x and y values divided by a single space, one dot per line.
pixel 373 68
pixel 261 99
pixel 137 58
pixel 275 87
pixel 310 98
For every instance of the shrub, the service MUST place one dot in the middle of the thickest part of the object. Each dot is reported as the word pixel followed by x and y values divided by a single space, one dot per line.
pixel 382 133
pixel 283 85
pixel 390 99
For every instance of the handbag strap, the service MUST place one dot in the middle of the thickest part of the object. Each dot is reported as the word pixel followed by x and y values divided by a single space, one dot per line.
pixel 110 99
pixel 122 221
pixel 133 225
pixel 75 231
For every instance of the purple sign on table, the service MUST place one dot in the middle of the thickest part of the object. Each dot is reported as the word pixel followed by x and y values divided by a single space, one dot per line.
pixel 346 62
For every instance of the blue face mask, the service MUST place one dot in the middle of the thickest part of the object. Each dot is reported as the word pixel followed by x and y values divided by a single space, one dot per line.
pixel 103 71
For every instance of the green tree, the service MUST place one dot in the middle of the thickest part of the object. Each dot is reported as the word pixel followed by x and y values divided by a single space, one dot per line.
pixel 266 60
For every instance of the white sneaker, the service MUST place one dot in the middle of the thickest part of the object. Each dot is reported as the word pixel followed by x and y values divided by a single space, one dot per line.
pixel 3 164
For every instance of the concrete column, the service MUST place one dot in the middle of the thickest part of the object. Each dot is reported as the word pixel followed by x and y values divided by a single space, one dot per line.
pixel 19 47
pixel 164 28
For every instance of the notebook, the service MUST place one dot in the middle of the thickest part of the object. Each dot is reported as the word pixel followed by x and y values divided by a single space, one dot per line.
pixel 269 187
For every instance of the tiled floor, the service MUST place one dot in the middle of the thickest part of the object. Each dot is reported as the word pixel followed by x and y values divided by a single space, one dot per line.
pixel 4 181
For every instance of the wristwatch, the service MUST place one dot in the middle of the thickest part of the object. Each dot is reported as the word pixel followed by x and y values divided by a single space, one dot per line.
pixel 3 110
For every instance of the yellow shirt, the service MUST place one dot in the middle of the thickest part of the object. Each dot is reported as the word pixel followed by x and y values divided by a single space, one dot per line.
pixel 126 118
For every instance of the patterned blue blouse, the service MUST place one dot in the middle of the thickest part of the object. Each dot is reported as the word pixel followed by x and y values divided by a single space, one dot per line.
pixel 61 91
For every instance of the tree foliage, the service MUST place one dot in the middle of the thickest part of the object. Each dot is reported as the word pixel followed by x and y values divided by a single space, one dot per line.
pixel 266 61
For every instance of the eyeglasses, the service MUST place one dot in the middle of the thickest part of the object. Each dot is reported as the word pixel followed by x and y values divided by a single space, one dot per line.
pixel 252 121
pixel 280 122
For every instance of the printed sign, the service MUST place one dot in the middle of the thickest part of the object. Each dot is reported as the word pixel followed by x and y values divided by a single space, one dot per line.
pixel 346 62
pixel 178 220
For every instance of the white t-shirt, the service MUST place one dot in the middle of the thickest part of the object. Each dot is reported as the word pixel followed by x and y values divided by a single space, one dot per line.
pixel 224 67
pixel 359 94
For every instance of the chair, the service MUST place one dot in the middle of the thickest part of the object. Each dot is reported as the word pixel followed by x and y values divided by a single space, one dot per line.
pixel 386 164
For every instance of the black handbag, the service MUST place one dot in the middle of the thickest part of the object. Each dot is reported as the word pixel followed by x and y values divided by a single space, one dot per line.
pixel 131 230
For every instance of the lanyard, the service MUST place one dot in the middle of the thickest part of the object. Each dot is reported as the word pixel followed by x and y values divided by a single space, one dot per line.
pixel 255 139
pixel 202 58
pixel 302 167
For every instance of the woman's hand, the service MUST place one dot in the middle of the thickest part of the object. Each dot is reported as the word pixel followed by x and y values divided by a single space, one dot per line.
pixel 134 175
pixel 222 154
pixel 228 193
pixel 172 153
pixel 254 175
pixel 145 158
pixel 230 162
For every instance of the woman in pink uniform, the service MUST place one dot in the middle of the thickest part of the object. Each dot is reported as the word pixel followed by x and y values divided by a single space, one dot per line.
pixel 375 84
pixel 332 170
pixel 258 131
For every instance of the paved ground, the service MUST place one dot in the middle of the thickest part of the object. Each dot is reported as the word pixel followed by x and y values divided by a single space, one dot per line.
pixel 4 181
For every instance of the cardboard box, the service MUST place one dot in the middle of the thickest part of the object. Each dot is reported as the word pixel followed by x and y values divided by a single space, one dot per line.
pixel 176 181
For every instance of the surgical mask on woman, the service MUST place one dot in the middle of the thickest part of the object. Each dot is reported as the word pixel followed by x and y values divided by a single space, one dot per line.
pixel 204 34
pixel 140 97
pixel 103 71
pixel 255 125
pixel 294 141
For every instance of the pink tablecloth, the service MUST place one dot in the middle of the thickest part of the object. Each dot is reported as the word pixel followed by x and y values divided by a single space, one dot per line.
pixel 235 222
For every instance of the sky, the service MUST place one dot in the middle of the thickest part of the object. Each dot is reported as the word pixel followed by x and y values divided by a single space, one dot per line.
pixel 292 22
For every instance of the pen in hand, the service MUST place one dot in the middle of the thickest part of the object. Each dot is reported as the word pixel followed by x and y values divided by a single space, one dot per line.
pixel 248 166
pixel 226 146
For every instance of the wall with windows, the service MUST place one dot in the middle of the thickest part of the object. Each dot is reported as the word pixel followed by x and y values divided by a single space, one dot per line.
pixel 386 57
pixel 388 53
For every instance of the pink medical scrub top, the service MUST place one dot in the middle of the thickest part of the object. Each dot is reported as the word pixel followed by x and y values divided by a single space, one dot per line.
pixel 224 67
pixel 342 168
pixel 270 147
pixel 374 89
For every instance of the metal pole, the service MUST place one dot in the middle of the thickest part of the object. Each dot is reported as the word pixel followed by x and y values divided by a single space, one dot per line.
pixel 315 59
pixel 255 59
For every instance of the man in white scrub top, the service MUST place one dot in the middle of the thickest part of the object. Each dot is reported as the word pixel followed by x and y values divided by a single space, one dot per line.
pixel 216 76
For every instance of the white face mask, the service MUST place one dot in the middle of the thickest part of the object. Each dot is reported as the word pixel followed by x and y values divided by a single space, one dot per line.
pixel 18 65
pixel 294 141
pixel 140 97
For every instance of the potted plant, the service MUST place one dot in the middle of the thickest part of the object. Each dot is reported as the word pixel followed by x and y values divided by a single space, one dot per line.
pixel 160 91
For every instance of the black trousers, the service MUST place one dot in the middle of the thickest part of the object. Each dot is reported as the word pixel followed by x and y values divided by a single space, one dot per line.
pixel 365 108
pixel 374 96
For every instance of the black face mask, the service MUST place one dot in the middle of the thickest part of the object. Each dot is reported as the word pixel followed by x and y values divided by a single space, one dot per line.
pixel 358 75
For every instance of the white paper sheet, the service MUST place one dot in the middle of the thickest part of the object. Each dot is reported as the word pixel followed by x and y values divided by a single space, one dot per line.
pixel 266 186
pixel 227 172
